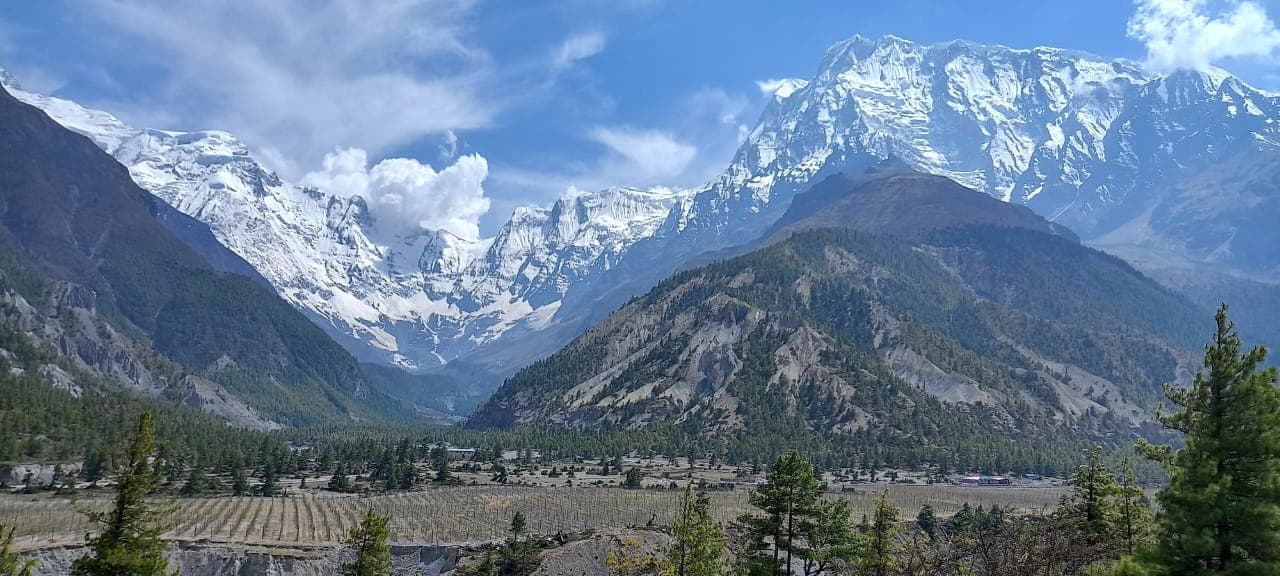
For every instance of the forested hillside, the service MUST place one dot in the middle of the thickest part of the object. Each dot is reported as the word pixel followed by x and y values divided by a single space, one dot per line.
pixel 973 342
pixel 89 274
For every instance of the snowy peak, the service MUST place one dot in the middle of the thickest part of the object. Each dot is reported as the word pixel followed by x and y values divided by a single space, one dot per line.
pixel 445 253
pixel 1087 142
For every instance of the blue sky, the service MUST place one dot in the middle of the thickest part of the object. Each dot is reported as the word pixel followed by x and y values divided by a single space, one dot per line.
pixel 546 95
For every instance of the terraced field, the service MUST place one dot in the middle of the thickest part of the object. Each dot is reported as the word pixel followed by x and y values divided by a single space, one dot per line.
pixel 454 515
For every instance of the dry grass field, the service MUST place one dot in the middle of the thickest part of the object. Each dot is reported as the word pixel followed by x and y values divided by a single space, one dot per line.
pixel 458 514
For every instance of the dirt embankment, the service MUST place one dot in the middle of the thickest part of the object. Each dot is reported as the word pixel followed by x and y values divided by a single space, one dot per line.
pixel 200 559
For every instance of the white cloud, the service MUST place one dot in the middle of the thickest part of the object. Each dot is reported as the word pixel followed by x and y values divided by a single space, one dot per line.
pixel 648 156
pixel 705 130
pixel 406 195
pixel 301 76
pixel 577 47
pixel 448 146
pixel 1189 34
pixel 782 87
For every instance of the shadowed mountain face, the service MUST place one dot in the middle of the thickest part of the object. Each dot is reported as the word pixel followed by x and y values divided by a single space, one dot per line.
pixel 1001 327
pixel 82 240
pixel 892 199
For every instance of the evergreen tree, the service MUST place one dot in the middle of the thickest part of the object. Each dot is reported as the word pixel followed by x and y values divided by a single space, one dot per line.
pixel 95 462
pixel 326 459
pixel 195 484
pixel 373 553
pixel 11 564
pixel 1221 510
pixel 519 524
pixel 239 484
pixel 633 479
pixel 339 481
pixel 1132 524
pixel 1089 505
pixel 270 486
pixel 833 544
pixel 789 498
pixel 927 521
pixel 130 539
pixel 880 558
pixel 697 546
pixel 440 458
pixel 963 520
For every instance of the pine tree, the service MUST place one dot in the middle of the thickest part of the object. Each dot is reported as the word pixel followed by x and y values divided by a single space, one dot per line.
pixel 880 558
pixel 195 484
pixel 1089 505
pixel 834 546
pixel 1132 523
pixel 95 461
pixel 130 539
pixel 1221 510
pixel 11 564
pixel 963 520
pixel 373 554
pixel 698 545
pixel 789 499
pixel 339 482
pixel 440 456
pixel 239 484
pixel 269 487
pixel 633 479
pixel 927 521
pixel 519 524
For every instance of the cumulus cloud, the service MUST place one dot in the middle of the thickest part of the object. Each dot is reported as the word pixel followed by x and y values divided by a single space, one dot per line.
pixel 303 75
pixel 650 156
pixel 1191 34
pixel 406 195
pixel 577 47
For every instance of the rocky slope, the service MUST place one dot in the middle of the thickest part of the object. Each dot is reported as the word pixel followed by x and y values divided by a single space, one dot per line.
pixel 932 333
pixel 93 280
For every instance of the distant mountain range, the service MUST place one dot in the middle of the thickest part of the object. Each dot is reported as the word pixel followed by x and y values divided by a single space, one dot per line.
pixel 1169 171
pixel 885 311
pixel 99 282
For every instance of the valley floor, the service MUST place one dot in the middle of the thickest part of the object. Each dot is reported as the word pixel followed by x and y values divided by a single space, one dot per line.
pixel 458 515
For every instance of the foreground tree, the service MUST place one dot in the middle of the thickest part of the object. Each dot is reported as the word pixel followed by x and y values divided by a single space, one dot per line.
pixel 798 530
pixel 130 539
pixel 927 521
pixel 1220 513
pixel 369 539
pixel 789 499
pixel 11 564
pixel 1132 524
pixel 881 556
pixel 1089 506
pixel 697 546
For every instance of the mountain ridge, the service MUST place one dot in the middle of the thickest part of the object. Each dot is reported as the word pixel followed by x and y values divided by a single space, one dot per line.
pixel 1091 143
pixel 92 271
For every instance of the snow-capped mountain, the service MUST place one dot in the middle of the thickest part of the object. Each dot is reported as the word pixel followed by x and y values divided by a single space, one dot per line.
pixel 417 300
pixel 1099 145
pixel 1070 134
